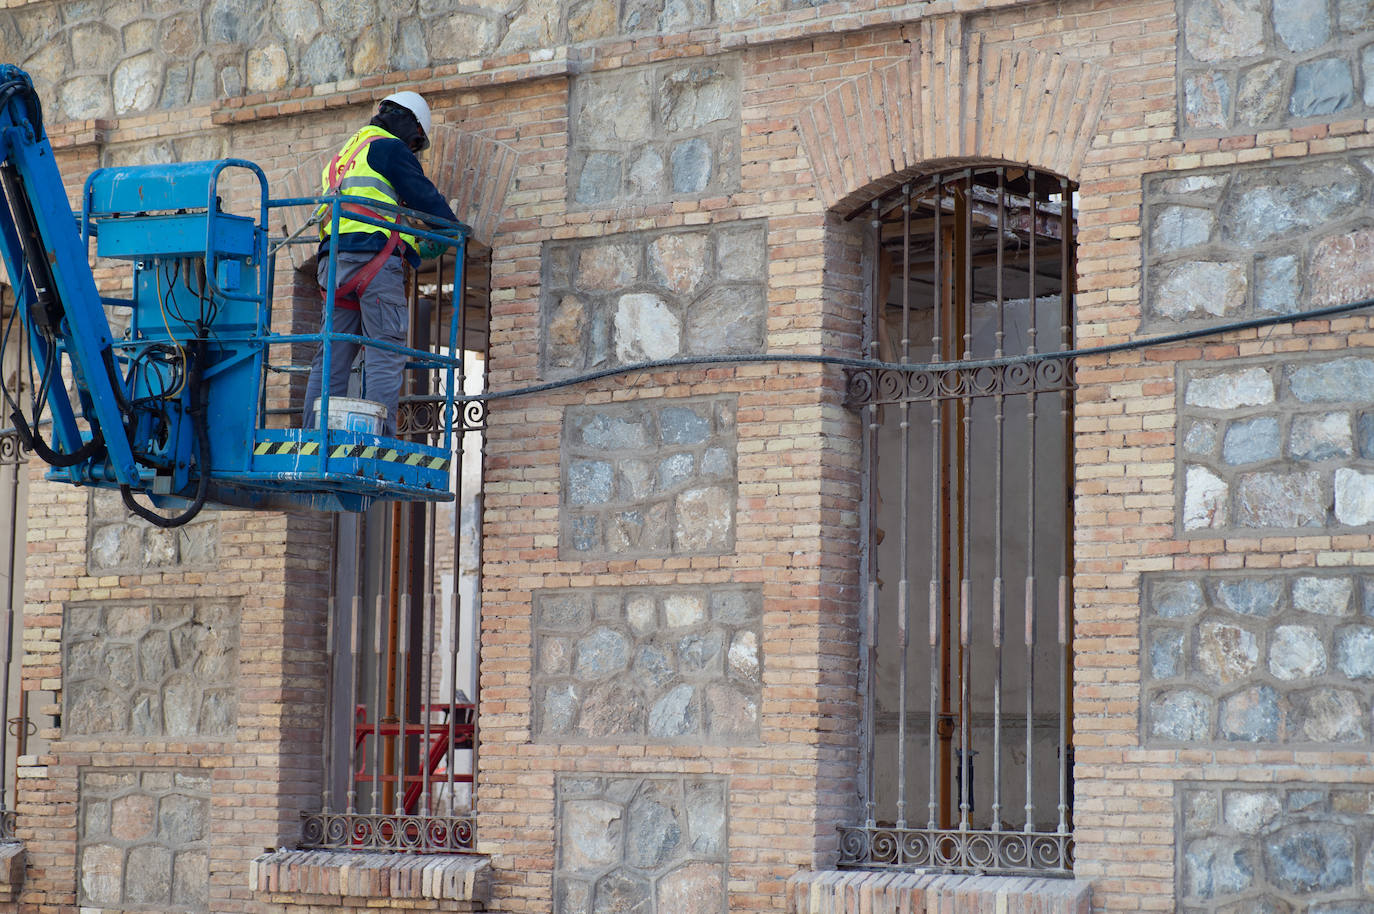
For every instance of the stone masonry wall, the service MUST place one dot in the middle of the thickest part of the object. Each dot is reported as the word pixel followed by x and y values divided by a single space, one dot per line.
pixel 1277 658
pixel 1249 241
pixel 1247 65
pixel 1267 849
pixel 143 839
pixel 655 134
pixel 652 845
pixel 649 479
pixel 652 296
pixel 151 671
pixel 1278 444
pixel 121 542
pixel 675 665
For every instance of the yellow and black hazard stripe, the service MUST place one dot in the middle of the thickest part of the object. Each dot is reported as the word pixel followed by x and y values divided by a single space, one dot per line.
pixel 365 451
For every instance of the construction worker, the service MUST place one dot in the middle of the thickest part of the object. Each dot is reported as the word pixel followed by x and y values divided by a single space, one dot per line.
pixel 377 163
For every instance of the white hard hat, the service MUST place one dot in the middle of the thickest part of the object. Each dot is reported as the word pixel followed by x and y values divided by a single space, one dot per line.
pixel 412 102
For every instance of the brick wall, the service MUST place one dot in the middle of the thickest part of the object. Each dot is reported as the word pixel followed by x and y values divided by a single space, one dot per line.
pixel 831 103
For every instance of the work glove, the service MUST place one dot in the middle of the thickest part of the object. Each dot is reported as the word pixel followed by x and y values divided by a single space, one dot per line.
pixel 429 250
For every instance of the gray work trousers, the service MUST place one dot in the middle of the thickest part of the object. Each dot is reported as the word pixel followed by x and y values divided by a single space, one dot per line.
pixel 382 317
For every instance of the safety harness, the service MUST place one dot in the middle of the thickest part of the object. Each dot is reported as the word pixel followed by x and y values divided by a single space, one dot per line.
pixel 348 296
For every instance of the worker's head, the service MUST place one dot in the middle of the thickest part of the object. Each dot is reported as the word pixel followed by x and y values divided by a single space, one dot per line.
pixel 406 116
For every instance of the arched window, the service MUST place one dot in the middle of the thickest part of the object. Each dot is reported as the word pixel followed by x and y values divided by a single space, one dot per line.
pixel 968 561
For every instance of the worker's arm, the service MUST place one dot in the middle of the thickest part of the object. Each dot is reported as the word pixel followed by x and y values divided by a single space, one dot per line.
pixel 398 165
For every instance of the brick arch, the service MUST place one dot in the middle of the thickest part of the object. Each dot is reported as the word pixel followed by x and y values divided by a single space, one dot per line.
pixel 472 172
pixel 949 102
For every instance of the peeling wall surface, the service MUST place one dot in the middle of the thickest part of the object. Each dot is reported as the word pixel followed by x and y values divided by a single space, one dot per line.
pixel 673 628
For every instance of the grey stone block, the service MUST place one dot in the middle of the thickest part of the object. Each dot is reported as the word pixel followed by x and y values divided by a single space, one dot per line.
pixel 1216 867
pixel 1230 389
pixel 691 164
pixel 1181 715
pixel 1302 26
pixel 1296 652
pixel 1264 204
pixel 1251 715
pixel 1251 441
pixel 1327 715
pixel 1207 100
pixel 1307 859
pixel 1321 437
pixel 1260 96
pixel 1326 596
pixel 1321 87
pixel 1174 227
pixel 1194 289
pixel 1216 30
pixel 1226 653
pixel 1354 649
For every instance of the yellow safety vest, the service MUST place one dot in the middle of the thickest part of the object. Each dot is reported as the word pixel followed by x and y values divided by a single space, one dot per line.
pixel 350 174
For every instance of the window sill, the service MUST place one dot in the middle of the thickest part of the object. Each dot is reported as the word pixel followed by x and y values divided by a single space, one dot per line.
pixel 318 877
pixel 888 892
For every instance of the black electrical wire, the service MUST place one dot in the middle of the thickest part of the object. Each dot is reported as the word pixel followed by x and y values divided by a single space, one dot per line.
pixel 1166 339
pixel 199 422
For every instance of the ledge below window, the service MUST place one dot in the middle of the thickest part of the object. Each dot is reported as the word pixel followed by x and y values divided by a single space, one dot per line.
pixel 887 892
pixel 346 880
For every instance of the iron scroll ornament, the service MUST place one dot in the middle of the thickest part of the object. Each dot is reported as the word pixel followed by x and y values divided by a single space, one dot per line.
pixel 395 833
pixel 878 386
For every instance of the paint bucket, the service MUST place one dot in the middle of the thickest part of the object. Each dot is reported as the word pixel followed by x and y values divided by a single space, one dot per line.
pixel 348 414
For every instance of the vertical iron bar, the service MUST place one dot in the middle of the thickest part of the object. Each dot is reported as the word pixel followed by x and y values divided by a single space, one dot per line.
pixel 870 443
pixel 965 646
pixel 403 707
pixel 936 539
pixel 1067 281
pixel 426 693
pixel 998 606
pixel 354 632
pixel 326 710
pixel 380 674
pixel 1030 532
pixel 904 584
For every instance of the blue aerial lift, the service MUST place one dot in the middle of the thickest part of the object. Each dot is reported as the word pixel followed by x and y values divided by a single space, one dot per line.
pixel 174 407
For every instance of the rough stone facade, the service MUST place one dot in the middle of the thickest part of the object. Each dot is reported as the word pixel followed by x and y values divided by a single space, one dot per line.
pixel 1279 444
pixel 151 671
pixel 654 296
pixel 650 479
pixel 677 179
pixel 654 845
pixel 1255 241
pixel 1270 848
pixel 1258 658
pixel 1243 69
pixel 143 837
pixel 655 665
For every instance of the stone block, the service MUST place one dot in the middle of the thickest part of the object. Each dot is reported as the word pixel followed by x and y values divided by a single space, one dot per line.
pixel 1342 268
pixel 1193 289
pixel 1174 227
pixel 1281 500
pixel 1327 715
pixel 1321 437
pixel 1204 499
pixel 598 179
pixel 1260 96
pixel 1175 599
pixel 1326 596
pixel 676 714
pixel 693 887
pixel 101 874
pixel 691 162
pixel 1207 100
pixel 590 835
pixel 1354 497
pixel 1267 203
pixel 1321 87
pixel 1216 867
pixel 1277 288
pixel 646 328
pixel 604 652
pixel 1217 30
pixel 1230 389
pixel 1354 650
pixel 697 96
pixel 1296 652
pixel 678 261
pixel 1307 859
pixel 1249 811
pixel 1226 653
pixel 1179 715
pixel 1302 26
pixel 1251 441
pixel 1332 381
pixel 1251 715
